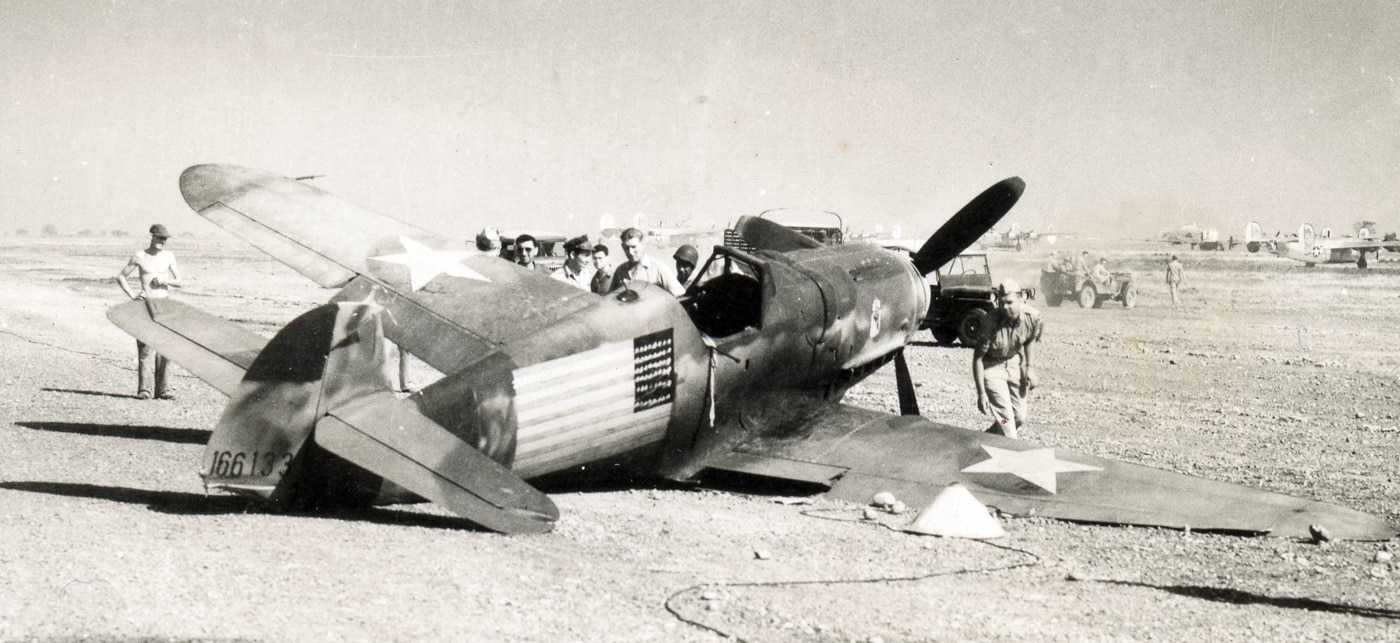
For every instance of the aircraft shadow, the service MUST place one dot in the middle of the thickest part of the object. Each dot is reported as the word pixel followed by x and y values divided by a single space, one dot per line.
pixel 156 433
pixel 1240 597
pixel 195 504
pixel 84 392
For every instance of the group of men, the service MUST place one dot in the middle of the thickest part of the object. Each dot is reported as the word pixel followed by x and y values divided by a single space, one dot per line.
pixel 1081 265
pixel 587 267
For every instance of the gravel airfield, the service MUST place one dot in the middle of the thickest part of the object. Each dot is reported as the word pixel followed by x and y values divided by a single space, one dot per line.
pixel 1274 375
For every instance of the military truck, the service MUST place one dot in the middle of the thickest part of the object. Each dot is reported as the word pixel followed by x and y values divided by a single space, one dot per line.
pixel 1059 286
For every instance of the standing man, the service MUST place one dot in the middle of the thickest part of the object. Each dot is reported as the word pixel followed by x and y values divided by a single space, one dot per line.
pixel 575 271
pixel 525 249
pixel 602 279
pixel 1003 358
pixel 1175 276
pixel 157 272
pixel 640 268
pixel 488 241
pixel 687 257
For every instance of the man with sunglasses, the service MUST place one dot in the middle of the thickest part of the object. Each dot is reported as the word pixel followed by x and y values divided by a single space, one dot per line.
pixel 524 251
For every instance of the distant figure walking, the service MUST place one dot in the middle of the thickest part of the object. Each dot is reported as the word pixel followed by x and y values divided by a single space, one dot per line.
pixel 1175 276
pixel 158 272
pixel 1002 360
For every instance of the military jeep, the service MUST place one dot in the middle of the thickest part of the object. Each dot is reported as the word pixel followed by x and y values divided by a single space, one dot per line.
pixel 960 298
pixel 1059 286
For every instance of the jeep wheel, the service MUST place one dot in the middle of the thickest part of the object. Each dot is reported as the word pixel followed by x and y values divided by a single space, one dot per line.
pixel 1087 297
pixel 1053 298
pixel 971 326
pixel 1129 296
pixel 944 335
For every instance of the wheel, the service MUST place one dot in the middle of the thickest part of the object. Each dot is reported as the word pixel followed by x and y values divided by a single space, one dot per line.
pixel 944 335
pixel 1053 298
pixel 1088 298
pixel 971 326
pixel 1129 296
pixel 1252 246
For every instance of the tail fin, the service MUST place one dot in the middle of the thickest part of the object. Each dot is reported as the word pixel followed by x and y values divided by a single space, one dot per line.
pixel 285 390
pixel 315 423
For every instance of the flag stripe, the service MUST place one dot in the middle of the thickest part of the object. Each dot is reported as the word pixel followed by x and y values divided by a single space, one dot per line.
pixel 637 430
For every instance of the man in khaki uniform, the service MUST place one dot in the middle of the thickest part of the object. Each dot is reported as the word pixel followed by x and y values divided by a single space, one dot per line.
pixel 1002 361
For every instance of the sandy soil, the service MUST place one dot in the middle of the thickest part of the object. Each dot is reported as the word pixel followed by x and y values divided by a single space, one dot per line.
pixel 1275 375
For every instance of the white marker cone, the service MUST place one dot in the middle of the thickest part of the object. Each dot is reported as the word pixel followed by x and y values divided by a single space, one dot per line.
pixel 956 514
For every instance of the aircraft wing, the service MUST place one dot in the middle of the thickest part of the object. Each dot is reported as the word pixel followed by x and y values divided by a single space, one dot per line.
pixel 449 301
pixel 858 453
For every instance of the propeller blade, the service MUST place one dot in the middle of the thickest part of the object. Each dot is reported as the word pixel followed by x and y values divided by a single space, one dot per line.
pixel 969 224
pixel 908 402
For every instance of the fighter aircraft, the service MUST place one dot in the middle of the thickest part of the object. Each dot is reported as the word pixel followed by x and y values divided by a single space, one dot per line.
pixel 743 375
pixel 1312 248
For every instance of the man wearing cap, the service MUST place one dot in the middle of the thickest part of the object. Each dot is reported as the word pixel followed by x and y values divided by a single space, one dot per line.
pixel 640 268
pixel 575 269
pixel 603 270
pixel 687 257
pixel 1003 357
pixel 488 241
pixel 158 272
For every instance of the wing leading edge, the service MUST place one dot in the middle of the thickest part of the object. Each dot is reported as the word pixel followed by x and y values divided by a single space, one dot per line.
pixel 859 453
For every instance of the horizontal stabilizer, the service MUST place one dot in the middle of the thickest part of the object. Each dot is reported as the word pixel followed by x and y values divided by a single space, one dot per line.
pixel 215 350
pixel 916 459
pixel 390 438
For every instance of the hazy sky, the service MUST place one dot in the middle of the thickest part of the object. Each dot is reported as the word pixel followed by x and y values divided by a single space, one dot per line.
pixel 1120 116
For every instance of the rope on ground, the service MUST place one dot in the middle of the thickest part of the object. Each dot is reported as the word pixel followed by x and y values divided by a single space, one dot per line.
pixel 1034 560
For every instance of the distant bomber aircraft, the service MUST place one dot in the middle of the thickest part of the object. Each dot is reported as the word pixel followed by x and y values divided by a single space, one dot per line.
pixel 742 374
pixel 1312 249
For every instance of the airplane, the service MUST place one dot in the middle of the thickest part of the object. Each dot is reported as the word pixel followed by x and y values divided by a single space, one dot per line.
pixel 1013 237
pixel 742 377
pixel 1313 248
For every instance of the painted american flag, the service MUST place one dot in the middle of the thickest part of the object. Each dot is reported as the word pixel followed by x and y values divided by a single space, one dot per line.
pixel 593 404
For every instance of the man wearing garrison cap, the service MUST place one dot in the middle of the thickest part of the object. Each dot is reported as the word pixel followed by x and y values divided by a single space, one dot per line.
pixel 1002 359
pixel 575 271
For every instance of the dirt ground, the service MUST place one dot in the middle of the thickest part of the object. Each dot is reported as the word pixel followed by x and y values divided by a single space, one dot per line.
pixel 1274 375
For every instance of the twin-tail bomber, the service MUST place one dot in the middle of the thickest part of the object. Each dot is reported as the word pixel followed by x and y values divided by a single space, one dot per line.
pixel 743 375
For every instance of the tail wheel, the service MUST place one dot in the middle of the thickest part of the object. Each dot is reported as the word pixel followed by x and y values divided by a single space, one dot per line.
pixel 1252 246
pixel 1088 298
pixel 971 326
pixel 1129 296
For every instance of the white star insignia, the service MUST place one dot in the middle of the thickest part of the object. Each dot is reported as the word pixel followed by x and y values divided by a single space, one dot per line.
pixel 425 264
pixel 1036 466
